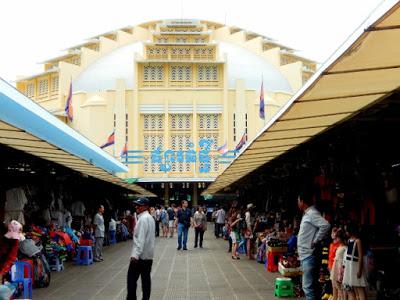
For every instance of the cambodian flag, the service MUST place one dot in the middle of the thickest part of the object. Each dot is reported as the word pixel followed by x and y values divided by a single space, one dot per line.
pixel 68 105
pixel 124 150
pixel 223 149
pixel 262 105
pixel 110 141
pixel 242 142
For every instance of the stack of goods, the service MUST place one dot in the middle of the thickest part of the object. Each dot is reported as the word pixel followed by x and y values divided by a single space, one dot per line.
pixel 289 266
pixel 276 249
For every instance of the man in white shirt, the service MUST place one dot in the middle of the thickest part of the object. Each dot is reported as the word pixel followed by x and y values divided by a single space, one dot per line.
pixel 219 222
pixel 98 224
pixel 142 251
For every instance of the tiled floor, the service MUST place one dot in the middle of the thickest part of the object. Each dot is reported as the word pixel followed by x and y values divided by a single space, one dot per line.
pixel 207 273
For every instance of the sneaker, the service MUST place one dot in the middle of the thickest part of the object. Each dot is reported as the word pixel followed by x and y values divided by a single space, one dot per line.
pixel 195 246
pixel 179 248
pixel 184 248
pixel 97 260
pixel 102 259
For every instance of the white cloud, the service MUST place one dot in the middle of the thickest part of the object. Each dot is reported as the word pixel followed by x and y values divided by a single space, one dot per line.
pixel 32 31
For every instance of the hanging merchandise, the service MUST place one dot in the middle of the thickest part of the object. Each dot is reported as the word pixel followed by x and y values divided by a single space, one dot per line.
pixel 15 202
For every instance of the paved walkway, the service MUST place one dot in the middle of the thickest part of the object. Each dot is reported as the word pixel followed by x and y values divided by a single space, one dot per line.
pixel 207 273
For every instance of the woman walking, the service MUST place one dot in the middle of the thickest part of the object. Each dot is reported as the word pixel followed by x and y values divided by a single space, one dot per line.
pixel 234 224
pixel 200 226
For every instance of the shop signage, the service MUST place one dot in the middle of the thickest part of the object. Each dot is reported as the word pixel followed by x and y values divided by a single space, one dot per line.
pixel 165 158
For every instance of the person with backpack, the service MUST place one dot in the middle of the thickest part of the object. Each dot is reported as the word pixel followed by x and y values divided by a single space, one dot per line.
pixel 183 222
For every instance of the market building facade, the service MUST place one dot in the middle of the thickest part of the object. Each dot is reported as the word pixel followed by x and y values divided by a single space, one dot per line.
pixel 171 93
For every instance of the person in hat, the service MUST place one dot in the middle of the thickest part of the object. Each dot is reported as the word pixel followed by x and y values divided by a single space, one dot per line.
pixel 9 245
pixel 143 250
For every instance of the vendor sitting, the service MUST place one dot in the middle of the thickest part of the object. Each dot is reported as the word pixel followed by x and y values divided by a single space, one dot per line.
pixel 9 245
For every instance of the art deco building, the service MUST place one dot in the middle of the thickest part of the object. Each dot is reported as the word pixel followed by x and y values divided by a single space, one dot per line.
pixel 168 85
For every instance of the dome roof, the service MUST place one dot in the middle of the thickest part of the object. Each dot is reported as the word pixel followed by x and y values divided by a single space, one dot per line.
pixel 242 64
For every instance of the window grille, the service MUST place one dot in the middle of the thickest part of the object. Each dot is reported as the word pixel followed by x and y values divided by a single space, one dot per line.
pixel 153 73
pixel 43 86
pixel 153 122
pixel 207 73
pixel 208 121
pixel 181 121
pixel 54 84
pixel 214 164
pixel 30 90
pixel 180 141
pixel 214 137
pixel 152 142
pixel 181 73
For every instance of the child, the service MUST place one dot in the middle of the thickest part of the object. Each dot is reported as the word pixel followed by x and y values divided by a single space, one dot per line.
pixel 354 274
pixel 337 265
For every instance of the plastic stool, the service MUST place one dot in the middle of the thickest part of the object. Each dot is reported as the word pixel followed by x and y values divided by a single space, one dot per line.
pixel 84 255
pixel 284 287
pixel 241 249
pixel 112 237
pixel 20 268
pixel 56 264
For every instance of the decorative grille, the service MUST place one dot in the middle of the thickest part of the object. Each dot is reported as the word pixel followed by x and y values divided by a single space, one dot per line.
pixel 30 90
pixel 43 86
pixel 180 141
pixel 150 167
pixel 181 73
pixel 207 73
pixel 54 84
pixel 180 167
pixel 208 121
pixel 153 73
pixel 181 121
pixel 214 164
pixel 153 122
pixel 152 142
pixel 211 136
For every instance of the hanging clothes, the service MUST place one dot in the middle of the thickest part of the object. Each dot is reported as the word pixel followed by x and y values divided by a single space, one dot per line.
pixel 14 208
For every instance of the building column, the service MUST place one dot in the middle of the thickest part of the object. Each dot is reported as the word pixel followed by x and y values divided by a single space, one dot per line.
pixel 195 198
pixel 166 194
pixel 120 117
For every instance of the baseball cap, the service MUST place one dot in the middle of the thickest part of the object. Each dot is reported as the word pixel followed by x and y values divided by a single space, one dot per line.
pixel 142 201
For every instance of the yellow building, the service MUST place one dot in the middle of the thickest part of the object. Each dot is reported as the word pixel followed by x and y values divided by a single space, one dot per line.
pixel 170 85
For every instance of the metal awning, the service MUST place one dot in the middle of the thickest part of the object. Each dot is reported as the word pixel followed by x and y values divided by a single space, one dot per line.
pixel 26 126
pixel 364 70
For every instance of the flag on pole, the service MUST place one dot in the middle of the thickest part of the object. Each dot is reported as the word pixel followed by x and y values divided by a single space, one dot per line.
pixel 242 142
pixel 223 149
pixel 68 105
pixel 110 141
pixel 262 105
pixel 124 150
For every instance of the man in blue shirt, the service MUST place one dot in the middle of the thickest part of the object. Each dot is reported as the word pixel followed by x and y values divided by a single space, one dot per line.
pixel 184 222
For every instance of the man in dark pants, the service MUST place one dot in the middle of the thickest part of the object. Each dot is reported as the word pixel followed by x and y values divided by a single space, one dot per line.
pixel 142 251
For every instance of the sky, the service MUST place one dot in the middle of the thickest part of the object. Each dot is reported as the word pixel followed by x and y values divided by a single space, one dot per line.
pixel 33 31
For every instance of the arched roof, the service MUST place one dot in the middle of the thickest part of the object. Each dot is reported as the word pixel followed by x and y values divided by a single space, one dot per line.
pixel 241 64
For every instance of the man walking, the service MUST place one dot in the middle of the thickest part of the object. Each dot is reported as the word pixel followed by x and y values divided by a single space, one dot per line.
pixel 313 229
pixel 98 223
pixel 184 221
pixel 142 251
pixel 219 221
pixel 171 220
pixel 158 218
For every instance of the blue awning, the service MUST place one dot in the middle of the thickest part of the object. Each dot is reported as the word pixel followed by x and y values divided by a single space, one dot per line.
pixel 26 126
